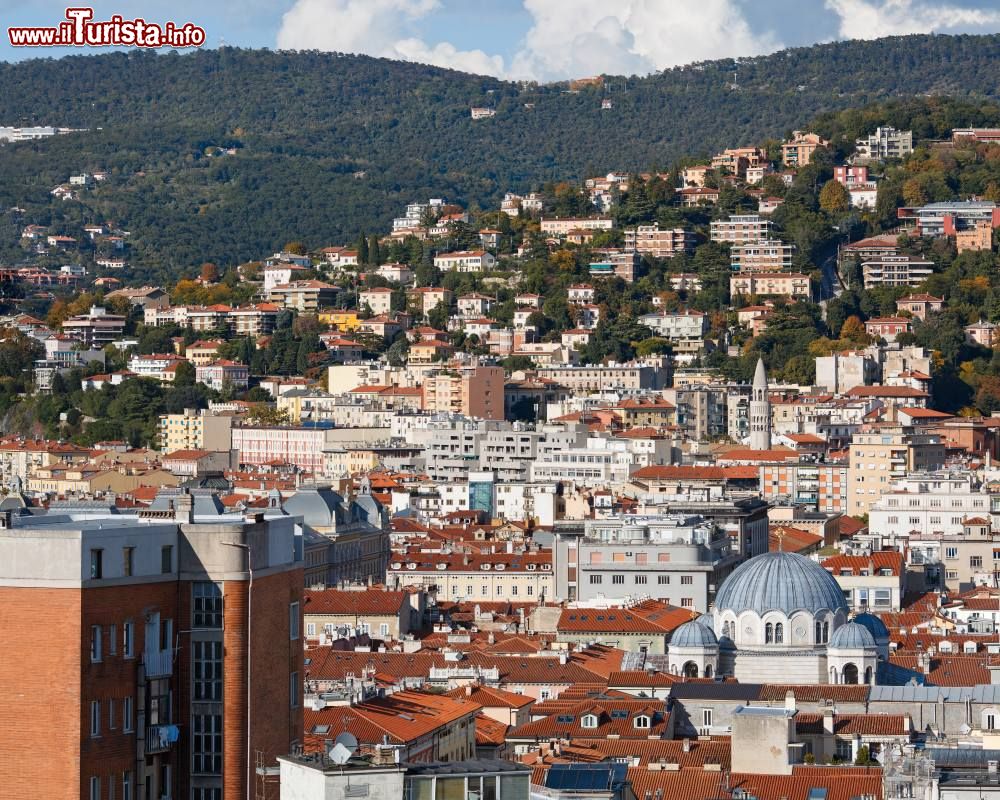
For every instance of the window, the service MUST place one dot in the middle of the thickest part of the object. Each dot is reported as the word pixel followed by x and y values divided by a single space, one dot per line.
pixel 531 591
pixel 206 669
pixel 206 744
pixel 768 633
pixel 588 721
pixel 112 640
pixel 128 639
pixel 513 589
pixel 97 566
pixel 687 602
pixel 951 552
pixel 989 721
pixel 706 717
pixel 294 620
pixel 662 579
pixel 641 721
pixel 126 785
pixel 383 628
pixel 206 606
pixel 111 717
pixel 595 579
pixel 128 558
pixel 975 561
pixel 844 750
pixel 95 717
pixel 293 690
pixel 95 788
pixel 779 633
pixel 687 580
pixel 166 559
pixel 618 579
pixel 883 598
pixel 640 579
pixel 95 643
pixel 127 715
pixel 310 629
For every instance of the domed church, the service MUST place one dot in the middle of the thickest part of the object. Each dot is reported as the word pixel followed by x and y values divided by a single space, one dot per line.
pixel 780 617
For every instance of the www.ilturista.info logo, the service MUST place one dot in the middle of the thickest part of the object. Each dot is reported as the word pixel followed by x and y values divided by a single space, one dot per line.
pixel 79 30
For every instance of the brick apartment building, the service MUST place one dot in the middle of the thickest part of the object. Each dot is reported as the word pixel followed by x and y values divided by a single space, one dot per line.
pixel 130 654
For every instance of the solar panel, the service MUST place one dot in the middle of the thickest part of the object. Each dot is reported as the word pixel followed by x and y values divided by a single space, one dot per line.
pixel 817 793
pixel 584 777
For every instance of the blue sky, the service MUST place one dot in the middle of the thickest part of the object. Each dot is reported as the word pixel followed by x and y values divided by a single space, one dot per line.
pixel 535 39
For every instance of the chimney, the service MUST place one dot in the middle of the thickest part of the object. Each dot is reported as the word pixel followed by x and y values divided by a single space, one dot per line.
pixel 184 509
pixel 468 690
pixel 687 745
pixel 828 721
pixel 789 700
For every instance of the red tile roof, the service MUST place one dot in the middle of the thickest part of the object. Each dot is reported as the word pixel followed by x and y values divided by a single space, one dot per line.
pixel 367 601
pixel 856 724
pixel 883 559
pixel 614 718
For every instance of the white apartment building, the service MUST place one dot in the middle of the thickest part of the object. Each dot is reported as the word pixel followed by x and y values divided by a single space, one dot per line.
pixel 896 271
pixel 927 503
pixel 465 261
pixel 677 326
pixel 649 240
pixel 885 142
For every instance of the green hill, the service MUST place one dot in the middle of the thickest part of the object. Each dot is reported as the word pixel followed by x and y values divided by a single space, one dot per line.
pixel 306 123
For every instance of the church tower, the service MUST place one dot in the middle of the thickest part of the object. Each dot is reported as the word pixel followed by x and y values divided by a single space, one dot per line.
pixel 760 410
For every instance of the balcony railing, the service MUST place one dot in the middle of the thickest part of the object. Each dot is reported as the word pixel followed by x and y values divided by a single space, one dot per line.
pixel 159 738
pixel 158 663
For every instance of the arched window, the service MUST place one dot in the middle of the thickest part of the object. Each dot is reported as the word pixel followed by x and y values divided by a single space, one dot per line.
pixel 819 632
pixel 868 675
pixel 588 721
pixel 725 630
pixel 768 633
pixel 690 670
pixel 779 633
pixel 826 632
pixel 850 673
pixel 641 721
pixel 708 670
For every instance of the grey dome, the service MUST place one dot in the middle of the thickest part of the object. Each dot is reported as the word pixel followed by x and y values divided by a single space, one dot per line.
pixel 873 624
pixel 851 636
pixel 693 634
pixel 319 506
pixel 780 581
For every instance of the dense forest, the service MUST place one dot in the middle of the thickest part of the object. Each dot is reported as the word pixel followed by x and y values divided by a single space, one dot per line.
pixel 327 145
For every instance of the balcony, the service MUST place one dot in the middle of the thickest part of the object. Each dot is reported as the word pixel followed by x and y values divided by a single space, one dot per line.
pixel 160 738
pixel 158 663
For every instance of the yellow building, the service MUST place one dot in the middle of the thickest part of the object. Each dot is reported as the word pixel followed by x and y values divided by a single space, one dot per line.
pixel 884 455
pixel 195 430
pixel 341 320
pixel 350 461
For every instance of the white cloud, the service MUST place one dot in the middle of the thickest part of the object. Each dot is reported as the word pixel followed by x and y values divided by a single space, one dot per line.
pixel 375 27
pixel 870 19
pixel 566 39
pixel 632 36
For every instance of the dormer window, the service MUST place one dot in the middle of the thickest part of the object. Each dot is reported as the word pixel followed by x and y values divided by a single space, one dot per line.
pixel 641 721
pixel 588 721
pixel 484 567
pixel 501 567
pixel 546 566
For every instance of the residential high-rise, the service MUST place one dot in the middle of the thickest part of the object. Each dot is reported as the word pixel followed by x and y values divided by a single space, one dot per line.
pixel 760 410
pixel 159 654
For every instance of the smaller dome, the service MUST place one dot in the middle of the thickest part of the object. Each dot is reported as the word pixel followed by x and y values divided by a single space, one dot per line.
pixel 875 626
pixel 693 634
pixel 851 636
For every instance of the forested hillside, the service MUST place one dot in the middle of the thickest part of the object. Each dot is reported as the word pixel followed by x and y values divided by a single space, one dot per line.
pixel 306 124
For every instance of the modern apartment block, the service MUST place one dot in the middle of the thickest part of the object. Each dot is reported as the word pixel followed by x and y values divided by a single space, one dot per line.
pixel 473 391
pixel 885 142
pixel 172 638
pixel 766 255
pixel 741 229
pixel 195 429
pixel 948 218
pixel 678 558
pixel 896 271
pixel 649 240
pixel 880 456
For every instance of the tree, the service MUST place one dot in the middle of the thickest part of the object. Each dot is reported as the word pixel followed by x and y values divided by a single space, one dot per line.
pixel 295 248
pixel 834 197
pixel 853 330
pixel 185 374
pixel 362 248
pixel 398 352
pixel 374 253
pixel 864 758
pixel 263 414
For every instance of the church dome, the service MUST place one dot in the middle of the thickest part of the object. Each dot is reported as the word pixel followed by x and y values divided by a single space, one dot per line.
pixel 693 634
pixel 785 582
pixel 851 636
pixel 873 624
